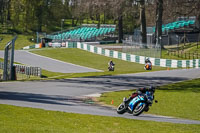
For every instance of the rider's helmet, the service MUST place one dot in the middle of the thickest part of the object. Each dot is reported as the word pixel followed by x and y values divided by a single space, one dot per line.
pixel 152 88
pixel 147 60
pixel 141 90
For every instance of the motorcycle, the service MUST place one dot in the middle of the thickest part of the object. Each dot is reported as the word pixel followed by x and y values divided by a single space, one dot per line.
pixel 148 66
pixel 137 105
pixel 111 68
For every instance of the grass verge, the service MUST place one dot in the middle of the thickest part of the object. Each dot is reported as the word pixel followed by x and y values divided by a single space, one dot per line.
pixel 188 48
pixel 84 58
pixel 22 41
pixel 23 120
pixel 178 100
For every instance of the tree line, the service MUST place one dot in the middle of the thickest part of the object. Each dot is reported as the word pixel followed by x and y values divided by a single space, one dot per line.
pixel 26 16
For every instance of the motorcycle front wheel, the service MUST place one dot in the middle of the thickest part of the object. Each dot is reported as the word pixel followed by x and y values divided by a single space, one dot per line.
pixel 139 108
pixel 121 108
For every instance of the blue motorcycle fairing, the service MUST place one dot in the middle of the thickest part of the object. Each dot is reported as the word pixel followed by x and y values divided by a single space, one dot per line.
pixel 149 95
pixel 135 100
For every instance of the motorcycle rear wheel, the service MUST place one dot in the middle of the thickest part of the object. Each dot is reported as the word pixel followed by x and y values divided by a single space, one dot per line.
pixel 121 108
pixel 139 108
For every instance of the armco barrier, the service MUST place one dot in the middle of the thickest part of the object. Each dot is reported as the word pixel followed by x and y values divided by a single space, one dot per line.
pixel 195 63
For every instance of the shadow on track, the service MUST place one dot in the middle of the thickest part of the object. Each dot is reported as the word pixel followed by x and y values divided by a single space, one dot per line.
pixel 122 81
pixel 40 98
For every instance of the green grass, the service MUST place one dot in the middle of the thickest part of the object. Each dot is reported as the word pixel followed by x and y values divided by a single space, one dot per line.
pixel 188 48
pixel 22 41
pixel 29 120
pixel 195 49
pixel 1 74
pixel 166 56
pixel 178 100
pixel 6 39
pixel 84 58
pixel 113 44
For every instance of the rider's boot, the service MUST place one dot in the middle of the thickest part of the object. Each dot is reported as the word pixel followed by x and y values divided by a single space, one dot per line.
pixel 128 100
pixel 146 109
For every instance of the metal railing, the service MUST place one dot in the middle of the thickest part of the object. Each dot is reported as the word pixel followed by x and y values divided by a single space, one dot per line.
pixel 136 48
pixel 184 55
pixel 28 70
pixel 25 70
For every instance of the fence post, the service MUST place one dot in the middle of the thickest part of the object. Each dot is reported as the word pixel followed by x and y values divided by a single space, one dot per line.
pixel 5 75
pixel 189 55
pixel 12 67
pixel 40 72
pixel 181 54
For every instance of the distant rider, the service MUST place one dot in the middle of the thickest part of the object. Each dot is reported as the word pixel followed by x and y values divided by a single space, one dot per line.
pixel 148 62
pixel 111 63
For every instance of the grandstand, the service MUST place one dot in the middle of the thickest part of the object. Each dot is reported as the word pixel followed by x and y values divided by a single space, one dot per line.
pixel 183 29
pixel 84 33
pixel 177 26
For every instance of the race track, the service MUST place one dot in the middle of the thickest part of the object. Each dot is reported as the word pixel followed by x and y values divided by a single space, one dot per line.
pixel 70 95
pixel 25 57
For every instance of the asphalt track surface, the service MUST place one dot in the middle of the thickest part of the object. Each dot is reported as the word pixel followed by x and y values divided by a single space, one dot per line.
pixel 25 57
pixel 71 95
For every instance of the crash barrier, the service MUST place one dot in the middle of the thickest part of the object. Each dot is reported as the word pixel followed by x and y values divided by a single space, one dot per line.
pixel 195 63
pixel 33 46
pixel 54 45
pixel 26 70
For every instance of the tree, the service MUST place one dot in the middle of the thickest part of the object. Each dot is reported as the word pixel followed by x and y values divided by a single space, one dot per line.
pixel 118 10
pixel 5 14
pixel 159 14
pixel 143 21
pixel 3 9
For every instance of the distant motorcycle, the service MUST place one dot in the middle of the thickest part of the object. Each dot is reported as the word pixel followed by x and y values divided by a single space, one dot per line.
pixel 148 66
pixel 111 68
pixel 137 105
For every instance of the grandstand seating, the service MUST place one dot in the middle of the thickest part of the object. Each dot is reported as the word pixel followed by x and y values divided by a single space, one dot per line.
pixel 176 25
pixel 83 33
